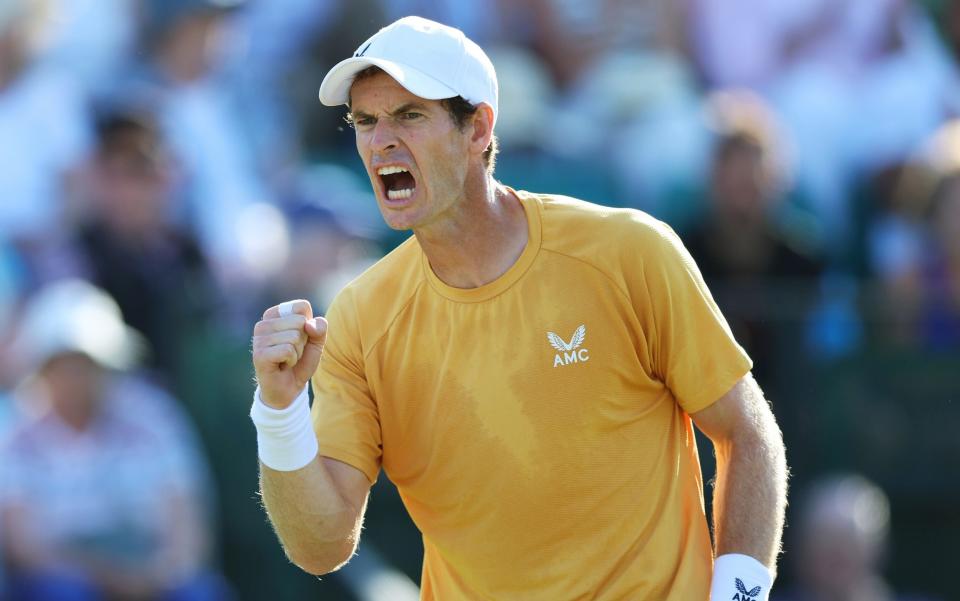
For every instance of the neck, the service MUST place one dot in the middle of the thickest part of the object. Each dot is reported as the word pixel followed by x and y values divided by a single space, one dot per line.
pixel 480 240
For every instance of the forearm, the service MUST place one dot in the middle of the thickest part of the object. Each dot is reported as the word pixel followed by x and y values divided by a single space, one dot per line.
pixel 750 496
pixel 315 503
pixel 317 527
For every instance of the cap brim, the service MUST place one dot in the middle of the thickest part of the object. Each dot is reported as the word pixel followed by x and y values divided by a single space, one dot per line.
pixel 335 89
pixel 118 349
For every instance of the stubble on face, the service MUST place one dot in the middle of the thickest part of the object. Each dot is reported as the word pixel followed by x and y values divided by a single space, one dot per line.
pixel 395 127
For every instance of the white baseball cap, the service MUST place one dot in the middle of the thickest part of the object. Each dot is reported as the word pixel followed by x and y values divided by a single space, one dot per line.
pixel 74 316
pixel 429 59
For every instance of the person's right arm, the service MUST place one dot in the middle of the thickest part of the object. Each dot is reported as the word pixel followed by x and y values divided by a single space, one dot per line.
pixel 316 510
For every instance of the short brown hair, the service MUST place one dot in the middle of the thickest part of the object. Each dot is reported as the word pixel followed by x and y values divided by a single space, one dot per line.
pixel 460 110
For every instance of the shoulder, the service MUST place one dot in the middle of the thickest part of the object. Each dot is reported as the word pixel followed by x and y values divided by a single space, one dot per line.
pixel 393 278
pixel 379 293
pixel 603 235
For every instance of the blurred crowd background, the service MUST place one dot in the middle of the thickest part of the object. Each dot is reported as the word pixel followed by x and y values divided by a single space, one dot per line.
pixel 166 173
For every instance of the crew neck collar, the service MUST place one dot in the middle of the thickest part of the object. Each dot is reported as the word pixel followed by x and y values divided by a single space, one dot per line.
pixel 532 212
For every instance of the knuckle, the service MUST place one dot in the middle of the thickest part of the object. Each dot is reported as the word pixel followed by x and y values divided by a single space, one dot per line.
pixel 304 304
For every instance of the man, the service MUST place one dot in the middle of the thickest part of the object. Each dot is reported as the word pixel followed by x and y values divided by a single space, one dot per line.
pixel 130 245
pixel 102 486
pixel 841 541
pixel 524 368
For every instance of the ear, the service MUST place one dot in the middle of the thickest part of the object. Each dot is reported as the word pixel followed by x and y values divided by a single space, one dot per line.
pixel 482 128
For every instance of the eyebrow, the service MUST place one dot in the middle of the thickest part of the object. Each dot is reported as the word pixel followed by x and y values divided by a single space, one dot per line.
pixel 403 108
pixel 406 107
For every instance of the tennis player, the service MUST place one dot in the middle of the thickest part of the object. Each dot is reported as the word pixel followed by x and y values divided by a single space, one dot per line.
pixel 526 368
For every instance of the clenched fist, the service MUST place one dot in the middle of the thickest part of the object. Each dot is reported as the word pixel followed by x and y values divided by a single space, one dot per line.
pixel 287 344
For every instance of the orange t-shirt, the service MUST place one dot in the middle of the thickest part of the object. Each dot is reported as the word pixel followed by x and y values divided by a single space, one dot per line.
pixel 537 427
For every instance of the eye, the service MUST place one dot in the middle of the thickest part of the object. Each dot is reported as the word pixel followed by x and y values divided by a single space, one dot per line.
pixel 410 116
pixel 365 121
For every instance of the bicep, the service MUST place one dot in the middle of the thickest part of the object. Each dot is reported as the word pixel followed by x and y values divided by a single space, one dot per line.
pixel 740 411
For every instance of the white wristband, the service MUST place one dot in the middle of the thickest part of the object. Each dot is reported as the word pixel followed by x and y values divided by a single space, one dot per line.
pixel 739 578
pixel 285 437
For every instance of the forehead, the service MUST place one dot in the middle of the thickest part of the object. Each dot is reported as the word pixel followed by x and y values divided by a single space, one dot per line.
pixel 380 91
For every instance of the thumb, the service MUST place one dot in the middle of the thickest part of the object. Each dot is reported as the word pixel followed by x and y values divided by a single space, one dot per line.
pixel 316 330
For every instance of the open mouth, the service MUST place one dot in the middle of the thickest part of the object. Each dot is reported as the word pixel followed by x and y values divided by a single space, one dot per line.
pixel 398 182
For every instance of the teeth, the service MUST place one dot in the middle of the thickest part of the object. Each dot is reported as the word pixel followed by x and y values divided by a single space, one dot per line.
pixel 399 194
pixel 390 170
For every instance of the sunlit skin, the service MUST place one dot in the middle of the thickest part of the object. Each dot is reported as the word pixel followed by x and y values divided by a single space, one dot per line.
pixel 394 127
pixel 471 228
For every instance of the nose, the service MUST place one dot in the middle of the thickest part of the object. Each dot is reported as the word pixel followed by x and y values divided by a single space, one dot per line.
pixel 383 136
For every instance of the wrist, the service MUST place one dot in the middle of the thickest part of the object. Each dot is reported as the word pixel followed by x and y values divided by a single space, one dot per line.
pixel 275 403
pixel 740 577
pixel 285 438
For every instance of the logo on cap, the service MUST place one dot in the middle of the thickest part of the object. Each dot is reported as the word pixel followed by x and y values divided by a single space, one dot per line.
pixel 363 51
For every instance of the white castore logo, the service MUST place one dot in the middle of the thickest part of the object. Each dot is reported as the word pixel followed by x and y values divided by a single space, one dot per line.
pixel 569 352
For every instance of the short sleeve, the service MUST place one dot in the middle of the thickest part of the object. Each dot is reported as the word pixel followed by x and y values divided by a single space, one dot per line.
pixel 692 348
pixel 345 415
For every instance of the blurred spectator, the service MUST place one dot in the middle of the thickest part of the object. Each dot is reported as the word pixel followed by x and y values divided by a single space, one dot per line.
pixel 746 43
pixel 326 254
pixel 836 71
pixel 612 63
pixel 481 21
pixel 661 157
pixel 896 240
pixel 940 321
pixel 574 36
pixel 525 95
pixel 841 542
pixel 92 41
pixel 914 247
pixel 186 44
pixel 44 128
pixel 749 245
pixel 842 88
pixel 131 244
pixel 948 19
pixel 101 487
pixel 269 41
pixel 742 232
